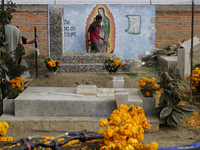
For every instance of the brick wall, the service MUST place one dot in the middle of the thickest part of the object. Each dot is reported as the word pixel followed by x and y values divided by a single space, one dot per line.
pixel 26 18
pixel 175 26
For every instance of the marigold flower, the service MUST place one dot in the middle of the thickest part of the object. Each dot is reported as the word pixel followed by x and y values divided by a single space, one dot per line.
pixel 5 124
pixel 188 77
pixel 116 120
pixel 13 86
pixel 19 93
pixel 18 85
pixel 12 81
pixel 140 85
pixel 103 122
pixel 154 146
pixel 147 94
pixel 122 64
pixel 104 148
pixel 115 57
pixel 22 88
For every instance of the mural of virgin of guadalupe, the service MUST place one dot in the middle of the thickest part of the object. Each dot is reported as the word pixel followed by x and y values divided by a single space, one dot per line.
pixel 105 31
pixel 108 30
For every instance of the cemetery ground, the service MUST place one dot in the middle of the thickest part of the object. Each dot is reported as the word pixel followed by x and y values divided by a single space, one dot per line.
pixel 166 136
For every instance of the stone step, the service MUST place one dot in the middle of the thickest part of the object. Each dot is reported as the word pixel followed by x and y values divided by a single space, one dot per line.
pixel 169 62
pixel 50 103
pixel 85 58
pixel 60 124
pixel 90 68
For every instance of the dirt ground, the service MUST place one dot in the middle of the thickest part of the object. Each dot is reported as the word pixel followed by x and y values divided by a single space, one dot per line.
pixel 74 79
pixel 166 136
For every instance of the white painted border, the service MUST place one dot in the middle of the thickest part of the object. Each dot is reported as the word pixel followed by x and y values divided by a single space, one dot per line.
pixel 136 2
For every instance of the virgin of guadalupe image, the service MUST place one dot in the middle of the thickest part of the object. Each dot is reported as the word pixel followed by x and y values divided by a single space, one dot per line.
pixel 108 30
pixel 105 31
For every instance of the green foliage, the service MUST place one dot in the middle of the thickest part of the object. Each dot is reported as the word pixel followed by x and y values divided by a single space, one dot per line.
pixel 163 52
pixel 51 65
pixel 112 65
pixel 169 111
pixel 15 70
pixel 12 92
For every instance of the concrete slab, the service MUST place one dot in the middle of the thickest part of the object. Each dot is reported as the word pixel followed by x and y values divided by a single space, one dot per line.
pixel 62 124
pixel 168 61
pixel 29 103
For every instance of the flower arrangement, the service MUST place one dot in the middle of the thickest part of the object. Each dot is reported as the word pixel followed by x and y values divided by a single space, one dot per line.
pixel 148 87
pixel 125 129
pixel 195 78
pixel 112 65
pixel 51 65
pixel 16 87
pixel 3 131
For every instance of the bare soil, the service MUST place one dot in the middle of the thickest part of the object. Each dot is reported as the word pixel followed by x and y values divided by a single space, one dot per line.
pixel 166 136
pixel 74 79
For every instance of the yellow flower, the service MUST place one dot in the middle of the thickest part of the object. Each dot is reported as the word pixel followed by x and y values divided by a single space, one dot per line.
pixel 12 81
pixel 115 57
pixel 104 148
pixel 13 86
pixel 188 77
pixel 103 122
pixel 122 64
pixel 153 79
pixel 132 141
pixel 154 146
pixel 18 85
pixel 116 120
pixel 129 147
pixel 143 84
pixel 155 86
pixel 22 88
pixel 5 124
pixel 147 94
pixel 140 85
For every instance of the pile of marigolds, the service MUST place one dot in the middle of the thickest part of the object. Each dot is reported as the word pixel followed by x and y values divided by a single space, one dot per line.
pixel 3 130
pixel 125 130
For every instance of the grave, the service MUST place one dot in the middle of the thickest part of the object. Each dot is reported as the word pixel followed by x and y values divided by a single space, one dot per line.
pixel 49 108
pixel 184 62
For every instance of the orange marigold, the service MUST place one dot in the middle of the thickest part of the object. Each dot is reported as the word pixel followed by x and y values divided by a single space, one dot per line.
pixel 147 94
pixel 22 88
pixel 187 77
pixel 13 86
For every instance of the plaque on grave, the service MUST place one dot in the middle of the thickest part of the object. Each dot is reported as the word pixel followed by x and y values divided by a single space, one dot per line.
pixel 86 89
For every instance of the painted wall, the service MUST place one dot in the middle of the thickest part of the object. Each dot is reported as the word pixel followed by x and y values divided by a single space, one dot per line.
pixel 132 28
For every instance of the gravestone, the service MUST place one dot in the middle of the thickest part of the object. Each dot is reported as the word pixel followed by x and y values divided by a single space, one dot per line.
pixel 184 62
